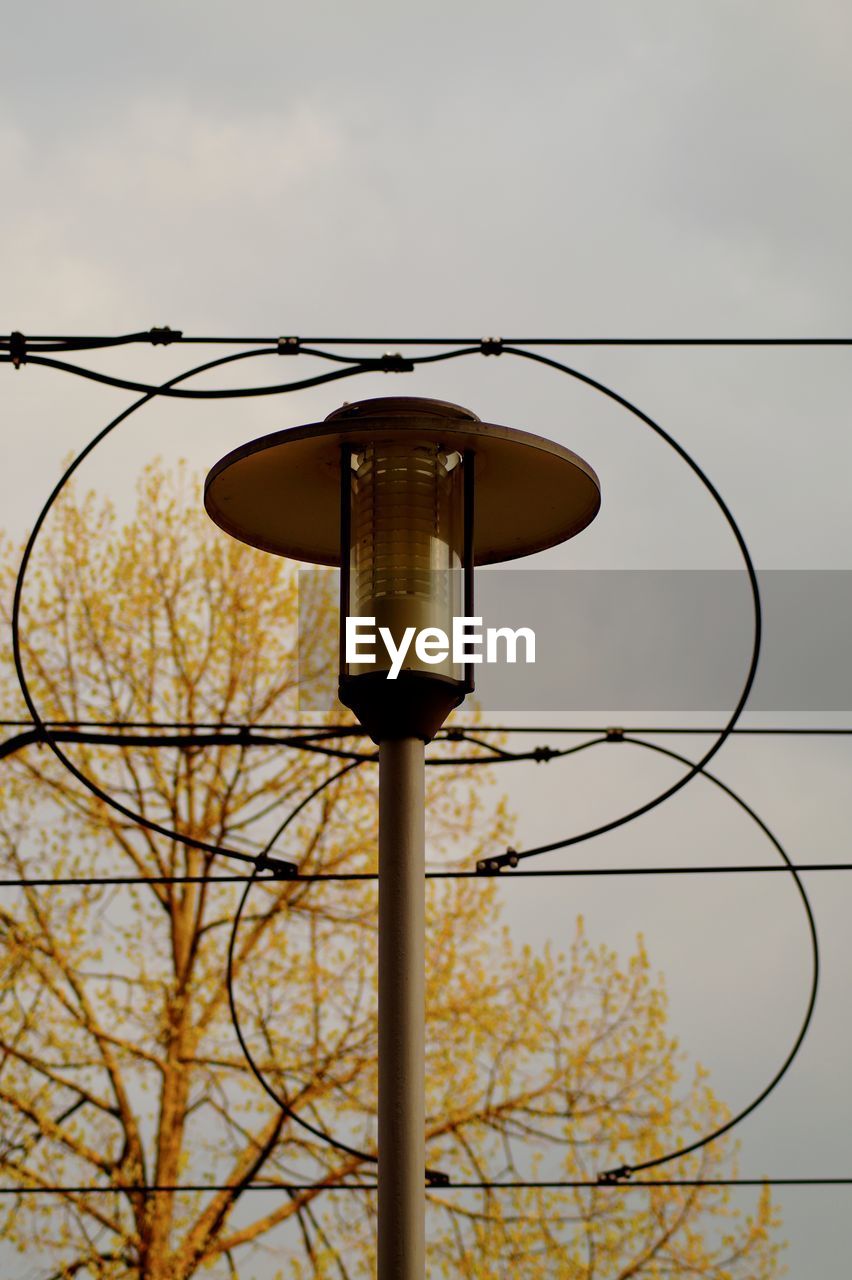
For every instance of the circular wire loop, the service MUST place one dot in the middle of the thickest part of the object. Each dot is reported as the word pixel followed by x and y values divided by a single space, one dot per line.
pixel 260 864
pixel 352 369
pixel 44 733
pixel 626 1171
pixel 510 856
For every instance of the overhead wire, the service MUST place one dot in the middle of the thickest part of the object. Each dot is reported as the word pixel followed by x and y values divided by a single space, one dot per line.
pixel 169 390
pixel 133 1188
pixel 511 855
pixel 260 864
pixel 628 1170
pixel 264 862
pixel 149 394
pixel 356 730
pixel 166 336
pixel 331 877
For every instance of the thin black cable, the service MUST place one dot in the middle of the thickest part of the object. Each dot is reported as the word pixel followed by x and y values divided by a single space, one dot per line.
pixel 230 738
pixel 579 342
pixel 541 755
pixel 162 336
pixel 626 1171
pixel 433 1177
pixel 259 736
pixel 168 389
pixel 439 356
pixel 314 730
pixel 723 869
pixel 390 363
pixel 356 730
pixel 622 1171
pixel 166 336
pixel 87 782
pixel 260 864
pixel 694 769
pixel 133 1188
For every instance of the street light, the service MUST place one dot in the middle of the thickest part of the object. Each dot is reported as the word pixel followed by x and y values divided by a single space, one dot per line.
pixel 406 495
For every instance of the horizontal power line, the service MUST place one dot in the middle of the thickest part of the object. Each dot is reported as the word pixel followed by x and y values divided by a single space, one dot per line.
pixel 543 1185
pixel 164 336
pixel 350 730
pixel 710 869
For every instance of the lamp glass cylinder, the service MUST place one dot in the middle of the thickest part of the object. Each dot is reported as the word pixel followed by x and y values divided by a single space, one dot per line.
pixel 406 545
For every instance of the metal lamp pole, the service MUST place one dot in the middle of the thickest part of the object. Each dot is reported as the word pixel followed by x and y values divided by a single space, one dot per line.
pixel 385 489
pixel 402 1121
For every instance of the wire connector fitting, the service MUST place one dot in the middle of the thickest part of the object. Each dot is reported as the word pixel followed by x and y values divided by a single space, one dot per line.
pixel 610 1177
pixel 493 866
pixel 390 362
pixel 162 335
pixel 614 733
pixel 491 346
pixel 289 345
pixel 17 348
pixel 436 1178
pixel 280 869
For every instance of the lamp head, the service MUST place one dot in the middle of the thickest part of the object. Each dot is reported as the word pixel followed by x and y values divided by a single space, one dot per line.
pixel 406 494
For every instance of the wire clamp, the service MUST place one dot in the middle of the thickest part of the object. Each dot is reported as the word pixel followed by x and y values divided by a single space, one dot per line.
pixel 611 1177
pixel 289 346
pixel 541 755
pixel 18 348
pixel 280 869
pixel 162 335
pixel 390 362
pixel 493 866
pixel 614 733
pixel 436 1178
pixel 491 346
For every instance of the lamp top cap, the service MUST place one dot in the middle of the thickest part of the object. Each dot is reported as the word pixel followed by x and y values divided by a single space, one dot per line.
pixel 407 407
pixel 282 493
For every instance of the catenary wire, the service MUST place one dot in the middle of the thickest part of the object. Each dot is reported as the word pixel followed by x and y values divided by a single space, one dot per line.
pixel 705 480
pixel 168 389
pixel 356 731
pixel 276 1097
pixel 165 336
pixel 133 1188
pixel 87 782
pixel 389 363
pixel 149 392
pixel 243 740
pixel 537 873
pixel 229 738
pixel 497 347
pixel 623 1170
pixel 628 1170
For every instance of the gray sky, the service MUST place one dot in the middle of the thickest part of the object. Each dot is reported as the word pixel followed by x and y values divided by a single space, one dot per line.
pixel 472 168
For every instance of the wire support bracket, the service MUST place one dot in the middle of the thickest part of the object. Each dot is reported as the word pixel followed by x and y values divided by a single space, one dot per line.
pixel 279 867
pixel 611 1177
pixel 493 866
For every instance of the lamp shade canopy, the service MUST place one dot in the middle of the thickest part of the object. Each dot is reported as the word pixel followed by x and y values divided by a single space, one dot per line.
pixel 281 493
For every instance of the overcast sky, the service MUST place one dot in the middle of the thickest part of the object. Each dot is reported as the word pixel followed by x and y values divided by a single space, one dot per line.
pixel 486 168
